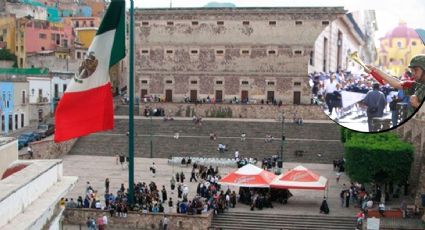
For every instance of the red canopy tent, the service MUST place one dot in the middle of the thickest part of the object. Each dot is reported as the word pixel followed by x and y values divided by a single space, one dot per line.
pixel 248 176
pixel 299 178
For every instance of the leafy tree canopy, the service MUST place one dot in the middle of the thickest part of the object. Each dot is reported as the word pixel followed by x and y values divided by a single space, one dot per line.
pixel 379 158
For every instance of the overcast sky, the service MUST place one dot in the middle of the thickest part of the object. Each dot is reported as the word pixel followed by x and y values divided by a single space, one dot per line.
pixel 389 12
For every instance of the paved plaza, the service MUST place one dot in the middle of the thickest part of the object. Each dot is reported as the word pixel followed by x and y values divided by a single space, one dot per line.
pixel 96 168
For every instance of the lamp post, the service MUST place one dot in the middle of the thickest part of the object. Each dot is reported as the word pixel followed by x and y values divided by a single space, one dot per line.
pixel 282 139
pixel 151 132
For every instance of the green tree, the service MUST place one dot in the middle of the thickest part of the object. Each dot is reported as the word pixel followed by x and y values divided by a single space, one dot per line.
pixel 379 158
pixel 6 55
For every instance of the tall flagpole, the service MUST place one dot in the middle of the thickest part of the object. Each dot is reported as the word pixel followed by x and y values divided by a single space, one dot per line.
pixel 131 112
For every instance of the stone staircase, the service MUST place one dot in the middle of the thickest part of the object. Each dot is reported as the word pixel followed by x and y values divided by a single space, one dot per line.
pixel 312 138
pixel 253 221
pixel 123 109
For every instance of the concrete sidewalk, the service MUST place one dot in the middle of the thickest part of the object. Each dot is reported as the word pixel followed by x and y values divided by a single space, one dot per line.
pixel 96 168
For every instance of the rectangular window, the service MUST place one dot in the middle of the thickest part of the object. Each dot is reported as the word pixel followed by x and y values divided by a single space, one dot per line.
pixel 145 51
pixel 298 52
pixel 194 52
pixel 272 52
pixel 193 82
pixel 270 83
pixel 144 81
pixel 42 36
pixel 169 51
pixel 245 23
pixel 219 82
pixel 297 83
pixel 169 82
pixel 272 23
pixel 245 52
pixel 64 87
pixel 219 52
pixel 78 55
pixel 23 97
pixel 195 23
pixel 298 23
pixel 220 23
pixel 170 23
pixel 312 58
pixel 245 82
pixel 145 23
pixel 56 90
pixel 325 23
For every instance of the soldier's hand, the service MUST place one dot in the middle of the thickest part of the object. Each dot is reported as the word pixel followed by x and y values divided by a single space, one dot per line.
pixel 369 68
pixel 414 101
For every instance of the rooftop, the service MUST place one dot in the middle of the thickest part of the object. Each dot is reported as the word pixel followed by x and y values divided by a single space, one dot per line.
pixel 30 71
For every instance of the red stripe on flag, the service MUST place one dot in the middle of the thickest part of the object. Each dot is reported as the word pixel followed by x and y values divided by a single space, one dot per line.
pixel 85 112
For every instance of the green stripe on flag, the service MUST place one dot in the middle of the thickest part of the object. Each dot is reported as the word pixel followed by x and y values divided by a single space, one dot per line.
pixel 114 19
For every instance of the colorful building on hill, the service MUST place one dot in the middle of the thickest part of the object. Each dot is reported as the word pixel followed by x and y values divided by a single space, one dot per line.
pixel 14 106
pixel 7 32
pixel 397 49
pixel 35 36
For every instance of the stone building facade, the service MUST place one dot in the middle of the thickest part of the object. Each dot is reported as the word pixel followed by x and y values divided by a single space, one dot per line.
pixel 252 54
pixel 340 38
pixel 413 131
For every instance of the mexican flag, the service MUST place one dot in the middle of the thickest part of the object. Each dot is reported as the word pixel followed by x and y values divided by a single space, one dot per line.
pixel 86 106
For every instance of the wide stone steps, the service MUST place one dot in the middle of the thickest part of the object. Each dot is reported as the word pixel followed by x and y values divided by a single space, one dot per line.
pixel 273 221
pixel 195 141
pixel 326 131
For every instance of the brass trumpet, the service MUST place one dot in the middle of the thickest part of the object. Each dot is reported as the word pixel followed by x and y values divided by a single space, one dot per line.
pixel 355 57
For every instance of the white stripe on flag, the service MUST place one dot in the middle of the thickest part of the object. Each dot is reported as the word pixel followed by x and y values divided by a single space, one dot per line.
pixel 101 46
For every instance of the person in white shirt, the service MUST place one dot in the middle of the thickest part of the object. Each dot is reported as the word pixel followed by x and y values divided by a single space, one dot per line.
pixel 236 155
pixel 29 150
pixel 330 88
pixel 105 220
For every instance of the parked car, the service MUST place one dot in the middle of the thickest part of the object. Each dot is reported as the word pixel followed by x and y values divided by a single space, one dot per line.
pixel 26 138
pixel 45 130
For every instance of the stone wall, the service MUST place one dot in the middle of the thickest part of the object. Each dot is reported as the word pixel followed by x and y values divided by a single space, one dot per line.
pixel 6 64
pixel 48 149
pixel 249 51
pixel 136 220
pixel 413 131
pixel 257 111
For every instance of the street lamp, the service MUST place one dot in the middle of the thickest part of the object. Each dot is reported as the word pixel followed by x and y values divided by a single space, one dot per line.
pixel 282 139
pixel 281 117
pixel 151 134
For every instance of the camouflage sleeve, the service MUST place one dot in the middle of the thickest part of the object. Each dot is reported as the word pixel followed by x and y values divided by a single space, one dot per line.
pixel 420 91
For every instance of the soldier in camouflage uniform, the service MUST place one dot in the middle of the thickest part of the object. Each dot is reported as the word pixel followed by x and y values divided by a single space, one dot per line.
pixel 414 89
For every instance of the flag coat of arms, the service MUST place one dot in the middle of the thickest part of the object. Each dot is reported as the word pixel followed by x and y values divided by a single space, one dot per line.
pixel 86 106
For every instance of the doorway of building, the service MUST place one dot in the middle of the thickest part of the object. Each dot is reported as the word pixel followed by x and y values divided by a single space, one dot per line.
pixel 16 121
pixel 270 96
pixel 193 95
pixel 297 97
pixel 244 96
pixel 218 96
pixel 168 95
pixel 10 122
pixel 143 93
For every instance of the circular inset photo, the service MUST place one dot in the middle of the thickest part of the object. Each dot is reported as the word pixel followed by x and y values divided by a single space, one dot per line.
pixel 368 73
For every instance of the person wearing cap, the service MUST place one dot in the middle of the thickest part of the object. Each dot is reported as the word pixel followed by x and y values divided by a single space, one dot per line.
pixel 375 102
pixel 416 89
